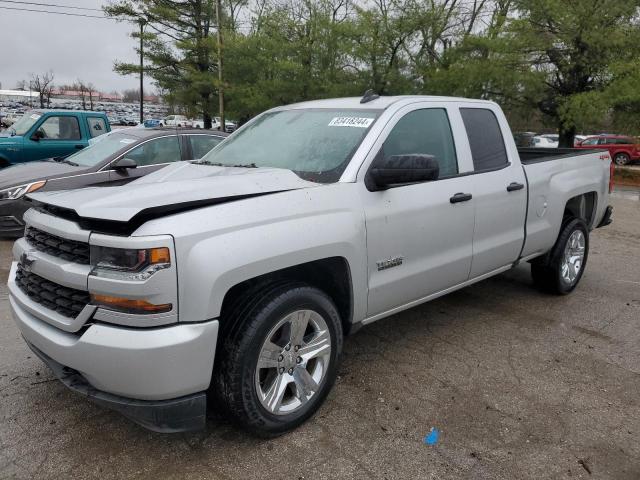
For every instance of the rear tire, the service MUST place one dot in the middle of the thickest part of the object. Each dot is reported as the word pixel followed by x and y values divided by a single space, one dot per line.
pixel 279 357
pixel 621 159
pixel 560 271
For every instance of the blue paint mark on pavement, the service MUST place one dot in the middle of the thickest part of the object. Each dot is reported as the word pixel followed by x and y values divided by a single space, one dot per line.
pixel 432 438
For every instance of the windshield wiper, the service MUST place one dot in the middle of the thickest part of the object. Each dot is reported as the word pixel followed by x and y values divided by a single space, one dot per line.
pixel 215 164
pixel 68 162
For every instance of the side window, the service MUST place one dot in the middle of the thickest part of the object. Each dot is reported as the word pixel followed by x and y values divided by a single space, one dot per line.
pixel 485 138
pixel 60 128
pixel 604 141
pixel 624 141
pixel 590 141
pixel 201 144
pixel 427 132
pixel 97 126
pixel 159 150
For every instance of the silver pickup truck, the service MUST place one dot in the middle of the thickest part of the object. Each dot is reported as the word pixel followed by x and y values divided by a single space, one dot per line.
pixel 232 281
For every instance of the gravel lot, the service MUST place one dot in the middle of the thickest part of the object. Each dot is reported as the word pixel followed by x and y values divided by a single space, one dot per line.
pixel 520 385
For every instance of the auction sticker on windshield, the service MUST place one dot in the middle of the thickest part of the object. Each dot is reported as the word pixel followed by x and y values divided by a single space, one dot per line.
pixel 358 122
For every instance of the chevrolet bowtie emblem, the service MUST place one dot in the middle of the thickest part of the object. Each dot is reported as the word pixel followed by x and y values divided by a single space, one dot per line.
pixel 26 262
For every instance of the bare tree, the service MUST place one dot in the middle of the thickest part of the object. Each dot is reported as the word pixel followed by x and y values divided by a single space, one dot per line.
pixel 91 90
pixel 43 84
pixel 82 88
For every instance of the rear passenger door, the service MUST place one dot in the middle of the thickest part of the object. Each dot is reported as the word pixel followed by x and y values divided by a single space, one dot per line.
pixel 499 191
pixel 419 239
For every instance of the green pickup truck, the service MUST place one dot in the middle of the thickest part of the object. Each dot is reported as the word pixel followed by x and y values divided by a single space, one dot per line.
pixel 43 134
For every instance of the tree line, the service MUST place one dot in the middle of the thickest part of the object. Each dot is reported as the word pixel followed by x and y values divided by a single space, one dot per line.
pixel 571 64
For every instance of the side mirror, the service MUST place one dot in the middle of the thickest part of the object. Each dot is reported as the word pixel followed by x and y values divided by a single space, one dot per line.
pixel 401 169
pixel 37 135
pixel 124 164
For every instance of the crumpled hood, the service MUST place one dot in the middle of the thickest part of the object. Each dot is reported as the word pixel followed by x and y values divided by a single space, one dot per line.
pixel 175 188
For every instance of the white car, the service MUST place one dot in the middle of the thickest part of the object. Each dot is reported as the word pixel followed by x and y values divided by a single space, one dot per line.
pixel 176 121
pixel 544 142
pixel 200 124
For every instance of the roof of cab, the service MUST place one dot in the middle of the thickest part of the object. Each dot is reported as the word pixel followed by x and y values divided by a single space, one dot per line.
pixel 66 112
pixel 379 103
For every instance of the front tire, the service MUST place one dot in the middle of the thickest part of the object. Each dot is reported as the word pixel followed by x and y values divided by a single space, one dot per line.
pixel 562 268
pixel 621 159
pixel 279 358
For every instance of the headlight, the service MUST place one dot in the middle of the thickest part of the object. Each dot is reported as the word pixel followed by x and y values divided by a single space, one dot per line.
pixel 128 264
pixel 13 193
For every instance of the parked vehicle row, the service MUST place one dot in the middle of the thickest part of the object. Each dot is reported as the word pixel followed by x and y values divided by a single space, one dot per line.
pixel 237 277
pixel 183 121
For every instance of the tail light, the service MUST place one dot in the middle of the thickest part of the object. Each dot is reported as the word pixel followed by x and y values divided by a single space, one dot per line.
pixel 612 170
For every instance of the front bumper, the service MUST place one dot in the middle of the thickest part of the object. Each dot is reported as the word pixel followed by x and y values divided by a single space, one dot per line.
pixel 182 414
pixel 136 371
pixel 11 217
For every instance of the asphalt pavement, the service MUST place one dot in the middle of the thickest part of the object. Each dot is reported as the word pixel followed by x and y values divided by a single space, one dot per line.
pixel 517 383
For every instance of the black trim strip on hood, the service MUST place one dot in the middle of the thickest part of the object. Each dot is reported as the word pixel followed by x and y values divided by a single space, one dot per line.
pixel 126 228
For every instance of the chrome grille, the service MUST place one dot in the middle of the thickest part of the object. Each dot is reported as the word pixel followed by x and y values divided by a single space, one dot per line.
pixel 66 301
pixel 71 250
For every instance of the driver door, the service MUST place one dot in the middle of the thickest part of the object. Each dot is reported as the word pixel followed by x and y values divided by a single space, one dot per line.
pixel 150 156
pixel 60 136
pixel 419 236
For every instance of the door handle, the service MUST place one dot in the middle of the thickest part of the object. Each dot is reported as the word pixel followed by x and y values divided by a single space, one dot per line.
pixel 513 186
pixel 460 197
pixel 79 147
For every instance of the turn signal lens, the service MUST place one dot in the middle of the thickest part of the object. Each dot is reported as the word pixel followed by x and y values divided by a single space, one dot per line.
pixel 159 255
pixel 128 305
pixel 35 186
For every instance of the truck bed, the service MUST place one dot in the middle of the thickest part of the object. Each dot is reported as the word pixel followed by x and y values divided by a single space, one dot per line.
pixel 537 155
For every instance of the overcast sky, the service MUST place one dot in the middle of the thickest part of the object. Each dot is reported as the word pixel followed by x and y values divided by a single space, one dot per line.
pixel 73 47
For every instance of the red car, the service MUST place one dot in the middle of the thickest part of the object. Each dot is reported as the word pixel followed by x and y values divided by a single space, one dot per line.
pixel 623 150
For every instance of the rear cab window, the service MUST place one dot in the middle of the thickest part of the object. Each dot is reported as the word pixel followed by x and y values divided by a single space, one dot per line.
pixel 97 126
pixel 485 139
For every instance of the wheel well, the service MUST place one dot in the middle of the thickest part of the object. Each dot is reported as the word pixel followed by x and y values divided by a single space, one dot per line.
pixel 331 275
pixel 4 162
pixel 582 206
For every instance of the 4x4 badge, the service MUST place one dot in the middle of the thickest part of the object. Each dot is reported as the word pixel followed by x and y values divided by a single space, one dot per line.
pixel 26 262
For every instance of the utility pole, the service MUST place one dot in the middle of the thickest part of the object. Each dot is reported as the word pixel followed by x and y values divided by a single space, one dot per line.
pixel 141 71
pixel 220 76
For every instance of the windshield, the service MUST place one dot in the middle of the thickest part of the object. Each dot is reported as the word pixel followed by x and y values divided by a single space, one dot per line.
pixel 23 125
pixel 99 151
pixel 315 144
